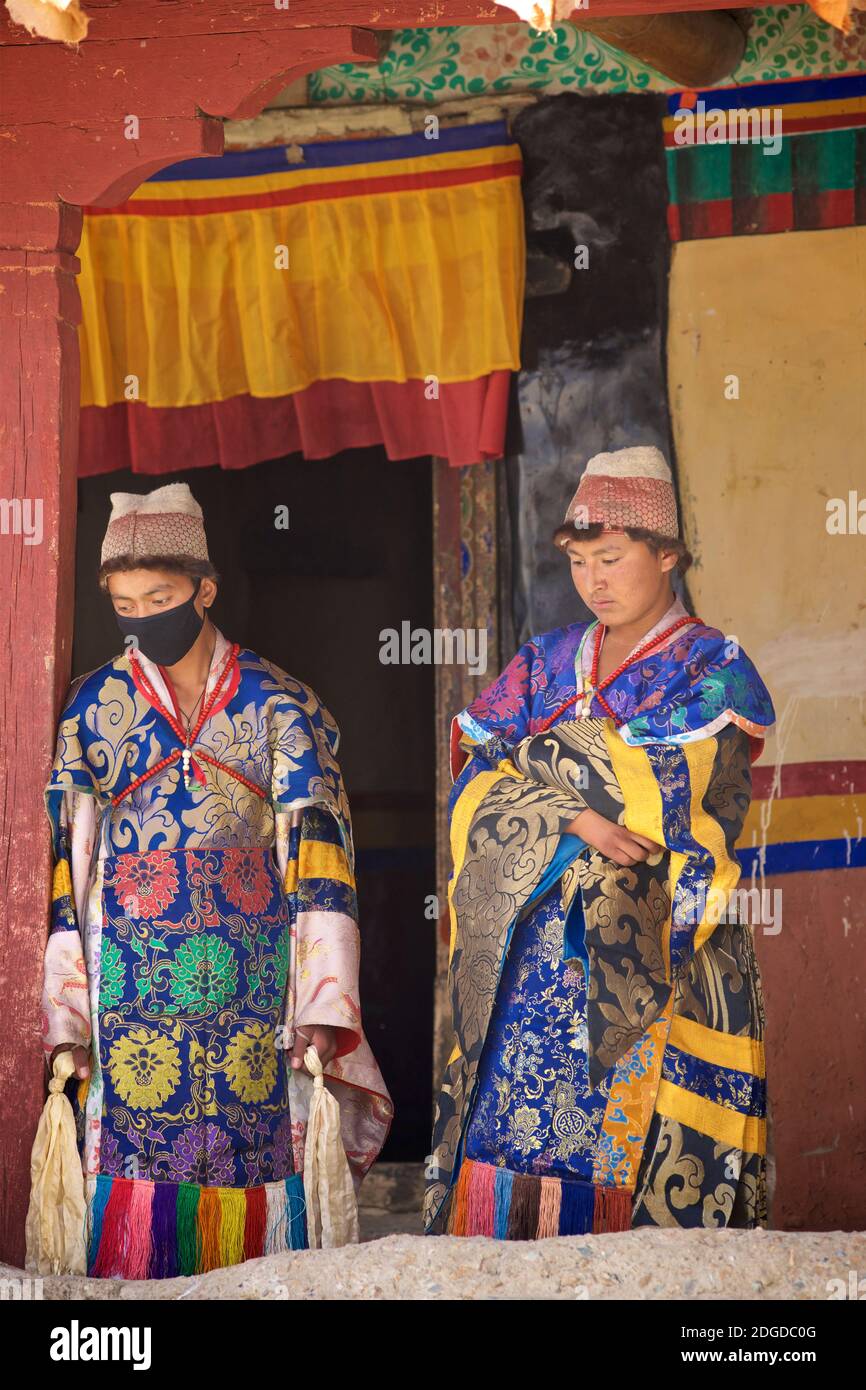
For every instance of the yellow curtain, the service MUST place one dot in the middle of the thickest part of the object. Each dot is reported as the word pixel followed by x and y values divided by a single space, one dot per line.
pixel 267 277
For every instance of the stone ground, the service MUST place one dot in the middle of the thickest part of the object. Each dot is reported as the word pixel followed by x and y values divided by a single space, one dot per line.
pixel 395 1262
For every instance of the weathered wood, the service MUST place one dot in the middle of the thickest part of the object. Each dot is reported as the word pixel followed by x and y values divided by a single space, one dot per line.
pixel 110 115
pixel 694 50
pixel 284 126
pixel 111 20
pixel 39 393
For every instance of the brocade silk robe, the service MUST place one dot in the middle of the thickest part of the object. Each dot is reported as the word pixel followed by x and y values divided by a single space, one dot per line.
pixel 194 927
pixel 607 1068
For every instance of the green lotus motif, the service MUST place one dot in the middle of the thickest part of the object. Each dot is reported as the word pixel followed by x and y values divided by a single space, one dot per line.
pixel 112 976
pixel 204 974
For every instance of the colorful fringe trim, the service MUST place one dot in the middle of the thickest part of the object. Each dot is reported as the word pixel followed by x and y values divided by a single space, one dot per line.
pixel 491 1201
pixel 141 1229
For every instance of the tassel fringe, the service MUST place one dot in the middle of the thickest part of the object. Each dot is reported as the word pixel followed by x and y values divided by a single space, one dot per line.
pixel 155 1230
pixel 502 1201
pixel 523 1216
pixel 491 1201
pixel 480 1203
pixel 549 1208
pixel 612 1209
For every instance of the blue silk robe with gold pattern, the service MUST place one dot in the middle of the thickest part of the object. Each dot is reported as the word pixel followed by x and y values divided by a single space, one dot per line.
pixel 608 1062
pixel 196 923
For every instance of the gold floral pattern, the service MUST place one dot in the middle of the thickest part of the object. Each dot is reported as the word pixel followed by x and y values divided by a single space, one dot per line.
pixel 681 1175
pixel 251 1062
pixel 144 1067
pixel 197 926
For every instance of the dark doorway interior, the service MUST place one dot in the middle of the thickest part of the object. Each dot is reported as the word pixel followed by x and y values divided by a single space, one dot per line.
pixel 356 558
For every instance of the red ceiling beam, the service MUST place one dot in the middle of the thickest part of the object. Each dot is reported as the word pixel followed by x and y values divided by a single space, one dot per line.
pixel 142 19
pixel 89 124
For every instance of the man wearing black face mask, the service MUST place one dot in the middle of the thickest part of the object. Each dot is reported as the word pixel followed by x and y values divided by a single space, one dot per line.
pixel 204 927
pixel 166 637
pixel 172 631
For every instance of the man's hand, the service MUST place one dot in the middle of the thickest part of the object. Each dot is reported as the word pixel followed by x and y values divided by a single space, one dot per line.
pixel 613 841
pixel 80 1056
pixel 318 1035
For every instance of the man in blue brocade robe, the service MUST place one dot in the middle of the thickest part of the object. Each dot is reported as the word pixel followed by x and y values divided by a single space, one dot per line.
pixel 204 930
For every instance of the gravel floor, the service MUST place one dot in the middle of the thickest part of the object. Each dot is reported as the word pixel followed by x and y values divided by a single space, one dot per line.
pixel 644 1264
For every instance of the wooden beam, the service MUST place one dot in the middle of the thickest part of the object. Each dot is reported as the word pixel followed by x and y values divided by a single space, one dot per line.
pixel 694 50
pixel 297 125
pixel 111 21
pixel 111 114
pixel 39 401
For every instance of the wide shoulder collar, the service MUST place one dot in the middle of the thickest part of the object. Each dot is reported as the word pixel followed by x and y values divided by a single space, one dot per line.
pixel 294 698
pixel 711 682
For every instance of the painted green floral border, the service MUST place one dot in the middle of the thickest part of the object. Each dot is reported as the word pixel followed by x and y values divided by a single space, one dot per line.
pixel 429 65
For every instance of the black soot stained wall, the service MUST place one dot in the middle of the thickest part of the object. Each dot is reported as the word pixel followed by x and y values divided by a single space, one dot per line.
pixel 593 354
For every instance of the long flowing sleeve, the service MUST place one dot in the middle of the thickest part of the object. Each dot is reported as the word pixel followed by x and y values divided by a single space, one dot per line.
pixel 72 804
pixel 65 1005
pixel 315 854
pixel 489 727
pixel 318 879
pixel 692 798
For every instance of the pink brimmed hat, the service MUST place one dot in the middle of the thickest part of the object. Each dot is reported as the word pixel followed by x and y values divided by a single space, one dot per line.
pixel 631 487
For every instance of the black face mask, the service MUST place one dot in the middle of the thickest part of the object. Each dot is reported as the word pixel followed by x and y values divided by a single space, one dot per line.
pixel 165 637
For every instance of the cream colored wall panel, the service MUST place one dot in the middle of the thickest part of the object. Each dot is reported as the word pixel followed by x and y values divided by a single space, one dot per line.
pixel 786 315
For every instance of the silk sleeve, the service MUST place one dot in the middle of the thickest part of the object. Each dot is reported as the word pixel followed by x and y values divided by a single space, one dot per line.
pixel 65 1002
pixel 499 716
pixel 692 798
pixel 320 886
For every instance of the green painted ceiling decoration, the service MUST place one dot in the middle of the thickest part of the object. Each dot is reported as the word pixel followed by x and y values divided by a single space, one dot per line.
pixel 429 65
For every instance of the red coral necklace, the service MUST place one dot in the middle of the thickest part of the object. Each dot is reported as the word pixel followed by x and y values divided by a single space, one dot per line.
pixel 592 687
pixel 189 737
